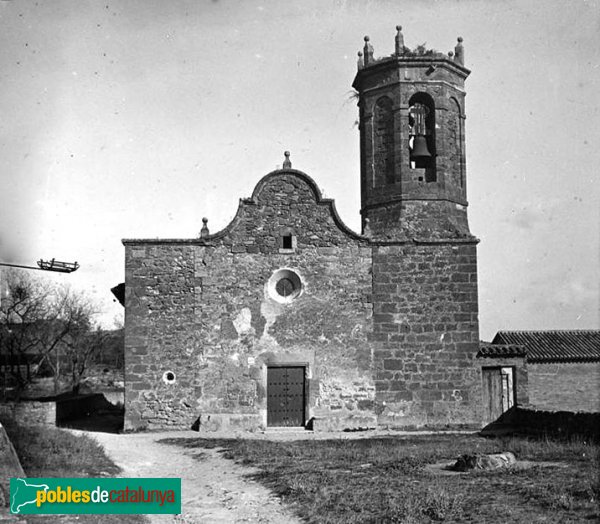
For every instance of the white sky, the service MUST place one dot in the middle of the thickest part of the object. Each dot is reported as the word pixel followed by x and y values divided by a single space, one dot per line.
pixel 135 118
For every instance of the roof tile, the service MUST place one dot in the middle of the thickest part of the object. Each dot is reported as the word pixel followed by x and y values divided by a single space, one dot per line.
pixel 487 350
pixel 555 346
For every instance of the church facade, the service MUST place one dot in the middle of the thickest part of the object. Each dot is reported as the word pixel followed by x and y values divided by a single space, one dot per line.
pixel 286 318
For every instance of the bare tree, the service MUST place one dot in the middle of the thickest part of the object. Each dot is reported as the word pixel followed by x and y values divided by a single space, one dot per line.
pixel 43 325
pixel 25 320
pixel 111 349
pixel 80 339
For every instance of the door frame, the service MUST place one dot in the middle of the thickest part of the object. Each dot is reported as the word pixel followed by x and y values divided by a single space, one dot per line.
pixel 499 402
pixel 306 366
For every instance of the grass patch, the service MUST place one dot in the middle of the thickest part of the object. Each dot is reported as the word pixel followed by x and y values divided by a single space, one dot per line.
pixel 52 452
pixel 385 480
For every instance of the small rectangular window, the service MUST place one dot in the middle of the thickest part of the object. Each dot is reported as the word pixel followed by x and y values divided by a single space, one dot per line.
pixel 287 242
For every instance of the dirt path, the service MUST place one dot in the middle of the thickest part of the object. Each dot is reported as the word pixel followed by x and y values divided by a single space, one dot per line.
pixel 214 489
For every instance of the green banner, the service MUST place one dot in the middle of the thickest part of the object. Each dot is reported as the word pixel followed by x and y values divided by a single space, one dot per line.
pixel 40 496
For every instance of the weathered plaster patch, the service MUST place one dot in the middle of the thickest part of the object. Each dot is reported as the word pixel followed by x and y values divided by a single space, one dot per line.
pixel 243 322
pixel 270 310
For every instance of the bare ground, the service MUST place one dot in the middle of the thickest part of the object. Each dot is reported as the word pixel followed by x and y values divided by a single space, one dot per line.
pixel 214 489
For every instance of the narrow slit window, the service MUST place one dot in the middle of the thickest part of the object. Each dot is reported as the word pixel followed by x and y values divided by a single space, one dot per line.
pixel 287 242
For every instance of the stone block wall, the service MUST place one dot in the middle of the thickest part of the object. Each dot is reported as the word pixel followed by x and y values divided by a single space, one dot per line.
pixel 204 311
pixel 387 333
pixel 565 386
pixel 425 331
pixel 419 219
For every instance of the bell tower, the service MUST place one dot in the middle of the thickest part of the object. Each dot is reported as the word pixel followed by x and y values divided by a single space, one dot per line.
pixel 412 143
pixel 414 210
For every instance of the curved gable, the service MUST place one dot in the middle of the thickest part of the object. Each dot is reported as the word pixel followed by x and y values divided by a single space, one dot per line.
pixel 290 200
pixel 280 179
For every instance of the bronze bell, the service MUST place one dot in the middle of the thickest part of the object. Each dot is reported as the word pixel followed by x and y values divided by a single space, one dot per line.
pixel 420 149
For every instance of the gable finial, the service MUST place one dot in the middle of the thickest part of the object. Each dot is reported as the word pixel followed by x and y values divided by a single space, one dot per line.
pixel 399 41
pixel 459 52
pixel 204 231
pixel 287 164
pixel 368 51
pixel 360 62
pixel 366 232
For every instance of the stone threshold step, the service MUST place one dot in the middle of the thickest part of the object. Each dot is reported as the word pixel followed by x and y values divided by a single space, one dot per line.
pixel 283 429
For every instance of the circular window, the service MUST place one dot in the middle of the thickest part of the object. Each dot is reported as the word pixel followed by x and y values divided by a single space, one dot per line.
pixel 169 377
pixel 284 286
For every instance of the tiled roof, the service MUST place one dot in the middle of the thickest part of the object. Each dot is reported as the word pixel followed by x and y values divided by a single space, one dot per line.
pixel 555 346
pixel 488 350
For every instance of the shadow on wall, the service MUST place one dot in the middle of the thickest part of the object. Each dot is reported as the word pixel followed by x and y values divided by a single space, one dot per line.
pixel 562 424
pixel 90 412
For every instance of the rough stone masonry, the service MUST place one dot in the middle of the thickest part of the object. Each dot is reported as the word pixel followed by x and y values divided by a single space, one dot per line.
pixel 288 318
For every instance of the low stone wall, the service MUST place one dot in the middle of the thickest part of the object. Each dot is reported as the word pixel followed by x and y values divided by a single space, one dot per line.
pixel 56 411
pixel 9 466
pixel 29 412
pixel 554 423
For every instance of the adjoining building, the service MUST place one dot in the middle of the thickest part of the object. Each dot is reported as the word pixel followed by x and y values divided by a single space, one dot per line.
pixel 563 368
pixel 504 378
pixel 288 318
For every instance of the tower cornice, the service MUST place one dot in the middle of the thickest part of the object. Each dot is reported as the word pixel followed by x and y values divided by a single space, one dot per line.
pixel 383 87
pixel 399 63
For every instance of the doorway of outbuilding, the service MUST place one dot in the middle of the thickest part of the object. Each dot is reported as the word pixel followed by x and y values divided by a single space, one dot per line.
pixel 286 396
pixel 498 391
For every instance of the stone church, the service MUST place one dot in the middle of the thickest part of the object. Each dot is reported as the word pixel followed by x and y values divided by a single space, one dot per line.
pixel 288 318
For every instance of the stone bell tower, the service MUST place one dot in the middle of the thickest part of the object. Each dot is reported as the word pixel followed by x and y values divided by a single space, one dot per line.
pixel 414 209
pixel 412 142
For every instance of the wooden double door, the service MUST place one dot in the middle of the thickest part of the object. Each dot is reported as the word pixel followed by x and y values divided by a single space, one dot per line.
pixel 286 396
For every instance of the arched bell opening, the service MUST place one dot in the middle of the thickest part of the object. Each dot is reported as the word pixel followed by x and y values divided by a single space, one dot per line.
pixel 421 143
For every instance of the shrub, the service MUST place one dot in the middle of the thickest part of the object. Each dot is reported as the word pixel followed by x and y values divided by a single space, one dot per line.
pixel 440 504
